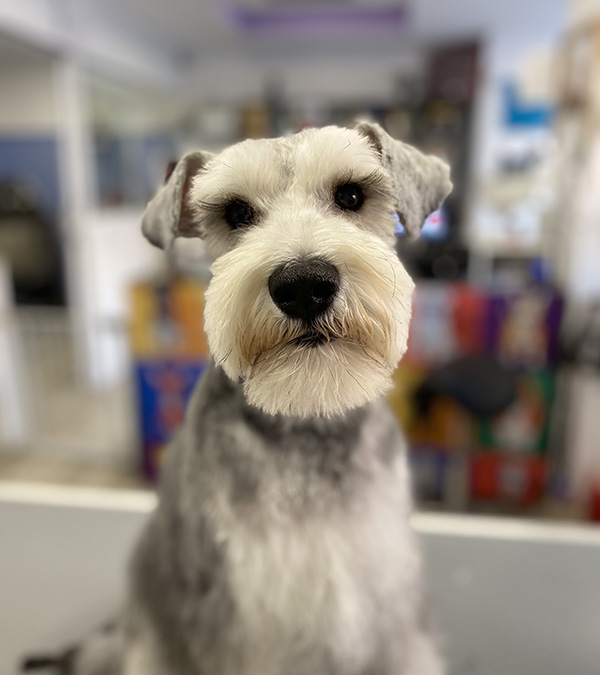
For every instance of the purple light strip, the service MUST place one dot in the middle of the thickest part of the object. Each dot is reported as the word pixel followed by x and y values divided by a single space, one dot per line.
pixel 312 20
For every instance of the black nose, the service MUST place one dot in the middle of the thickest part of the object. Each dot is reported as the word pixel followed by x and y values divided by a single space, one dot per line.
pixel 304 289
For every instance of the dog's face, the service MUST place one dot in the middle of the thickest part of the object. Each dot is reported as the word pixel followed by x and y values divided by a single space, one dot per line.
pixel 308 305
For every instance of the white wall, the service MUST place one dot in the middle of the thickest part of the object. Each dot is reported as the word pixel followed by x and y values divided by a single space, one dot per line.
pixel 28 97
pixel 116 256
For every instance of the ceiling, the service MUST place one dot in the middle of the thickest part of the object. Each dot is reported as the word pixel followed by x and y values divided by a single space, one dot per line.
pixel 197 29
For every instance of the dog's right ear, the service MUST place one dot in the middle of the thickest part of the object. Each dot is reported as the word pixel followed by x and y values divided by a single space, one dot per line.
pixel 167 214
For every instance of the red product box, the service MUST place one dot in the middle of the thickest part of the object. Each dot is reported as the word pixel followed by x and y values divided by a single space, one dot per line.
pixel 448 321
pixel 514 478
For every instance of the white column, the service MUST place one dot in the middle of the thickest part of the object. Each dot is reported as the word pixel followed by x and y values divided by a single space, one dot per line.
pixel 77 179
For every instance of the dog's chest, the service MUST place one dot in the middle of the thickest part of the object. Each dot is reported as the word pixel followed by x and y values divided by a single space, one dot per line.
pixel 323 585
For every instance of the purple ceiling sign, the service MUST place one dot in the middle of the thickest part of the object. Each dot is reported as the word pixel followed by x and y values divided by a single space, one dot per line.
pixel 314 19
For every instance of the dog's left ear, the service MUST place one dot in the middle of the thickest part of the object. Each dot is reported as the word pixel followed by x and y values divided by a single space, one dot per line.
pixel 167 214
pixel 421 182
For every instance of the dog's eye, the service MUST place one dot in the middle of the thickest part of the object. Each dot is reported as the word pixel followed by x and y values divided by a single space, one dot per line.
pixel 238 213
pixel 349 196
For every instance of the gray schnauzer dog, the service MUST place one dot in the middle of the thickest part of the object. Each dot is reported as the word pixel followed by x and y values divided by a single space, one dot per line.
pixel 281 543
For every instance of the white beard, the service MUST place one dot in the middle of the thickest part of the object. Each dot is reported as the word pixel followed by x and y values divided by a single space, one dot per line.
pixel 364 333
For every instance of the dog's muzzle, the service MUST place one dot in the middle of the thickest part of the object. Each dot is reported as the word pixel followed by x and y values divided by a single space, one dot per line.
pixel 304 289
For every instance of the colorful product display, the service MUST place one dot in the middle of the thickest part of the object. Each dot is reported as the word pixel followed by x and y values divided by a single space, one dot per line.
pixel 506 452
pixel 522 328
pixel 170 353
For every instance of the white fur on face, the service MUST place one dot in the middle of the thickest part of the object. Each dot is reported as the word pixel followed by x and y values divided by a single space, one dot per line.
pixel 365 330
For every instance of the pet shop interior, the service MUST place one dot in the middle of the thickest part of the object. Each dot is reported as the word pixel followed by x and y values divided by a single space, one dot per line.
pixel 101 338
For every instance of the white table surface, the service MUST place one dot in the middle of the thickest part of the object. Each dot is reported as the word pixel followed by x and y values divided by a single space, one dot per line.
pixel 510 597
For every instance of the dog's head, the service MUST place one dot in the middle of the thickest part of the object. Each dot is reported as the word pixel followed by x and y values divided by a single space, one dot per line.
pixel 308 305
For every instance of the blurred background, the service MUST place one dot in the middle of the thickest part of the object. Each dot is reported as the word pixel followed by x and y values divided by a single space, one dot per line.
pixel 100 336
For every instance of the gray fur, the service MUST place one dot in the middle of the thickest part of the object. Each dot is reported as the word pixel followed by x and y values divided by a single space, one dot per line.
pixel 223 462
pixel 281 545
pixel 167 215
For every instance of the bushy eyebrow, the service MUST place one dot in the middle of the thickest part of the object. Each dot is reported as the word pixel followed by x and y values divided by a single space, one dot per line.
pixel 374 182
pixel 220 201
pixel 216 197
